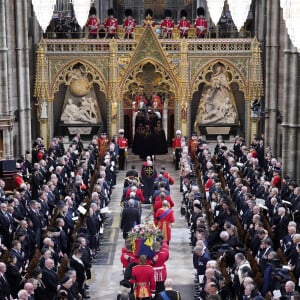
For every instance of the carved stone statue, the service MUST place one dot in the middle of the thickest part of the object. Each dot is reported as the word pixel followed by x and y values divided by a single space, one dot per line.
pixel 86 112
pixel 217 104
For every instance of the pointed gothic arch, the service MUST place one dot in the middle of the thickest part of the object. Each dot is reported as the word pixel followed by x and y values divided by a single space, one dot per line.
pixel 235 75
pixel 131 79
pixel 95 74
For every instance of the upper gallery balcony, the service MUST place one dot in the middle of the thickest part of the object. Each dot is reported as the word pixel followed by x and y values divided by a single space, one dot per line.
pixel 216 41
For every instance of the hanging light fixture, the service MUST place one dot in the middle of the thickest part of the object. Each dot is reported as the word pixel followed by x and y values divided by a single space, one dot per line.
pixel 239 11
pixel 43 11
pixel 215 8
pixel 81 9
pixel 291 15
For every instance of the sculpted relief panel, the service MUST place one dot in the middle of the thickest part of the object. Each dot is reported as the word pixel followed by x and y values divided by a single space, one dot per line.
pixel 217 104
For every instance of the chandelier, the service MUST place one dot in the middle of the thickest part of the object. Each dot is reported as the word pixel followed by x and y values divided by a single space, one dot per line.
pixel 215 8
pixel 43 11
pixel 81 9
pixel 239 11
pixel 291 15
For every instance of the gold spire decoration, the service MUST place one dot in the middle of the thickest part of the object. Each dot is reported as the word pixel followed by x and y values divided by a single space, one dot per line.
pixel 256 89
pixel 41 87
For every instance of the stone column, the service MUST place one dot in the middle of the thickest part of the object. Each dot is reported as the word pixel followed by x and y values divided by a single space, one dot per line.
pixel 23 81
pixel 285 104
pixel 4 88
pixel 293 120
pixel 272 66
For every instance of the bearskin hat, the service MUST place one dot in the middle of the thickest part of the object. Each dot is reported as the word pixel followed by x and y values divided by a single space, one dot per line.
pixel 92 11
pixel 183 13
pixel 168 13
pixel 128 12
pixel 110 12
pixel 200 11
pixel 149 12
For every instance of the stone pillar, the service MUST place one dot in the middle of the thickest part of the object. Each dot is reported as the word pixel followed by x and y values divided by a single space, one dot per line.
pixel 23 81
pixel 4 88
pixel 285 104
pixel 293 120
pixel 272 66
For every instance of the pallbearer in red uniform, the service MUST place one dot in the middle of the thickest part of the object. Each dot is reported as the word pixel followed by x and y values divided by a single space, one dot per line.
pixel 142 278
pixel 111 25
pixel 129 24
pixel 164 217
pixel 167 25
pixel 193 145
pixel 93 23
pixel 184 25
pixel 159 266
pixel 176 146
pixel 148 18
pixel 200 23
pixel 123 146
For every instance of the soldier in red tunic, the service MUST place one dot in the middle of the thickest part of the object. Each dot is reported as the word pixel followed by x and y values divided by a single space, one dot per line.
pixel 156 103
pixel 159 266
pixel 143 280
pixel 93 23
pixel 200 23
pixel 164 217
pixel 140 101
pixel 111 25
pixel 123 146
pixel 129 24
pixel 176 146
pixel 167 25
pixel 184 25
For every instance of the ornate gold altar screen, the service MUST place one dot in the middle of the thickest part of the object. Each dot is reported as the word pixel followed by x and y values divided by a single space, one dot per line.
pixel 175 68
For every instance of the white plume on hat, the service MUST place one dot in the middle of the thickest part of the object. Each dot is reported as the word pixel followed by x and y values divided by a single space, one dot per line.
pixel 121 130
pixel 178 132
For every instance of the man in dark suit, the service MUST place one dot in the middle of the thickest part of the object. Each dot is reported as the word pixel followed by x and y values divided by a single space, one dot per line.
pixel 171 294
pixel 130 218
pixel 50 280
pixel 5 225
pixel 4 286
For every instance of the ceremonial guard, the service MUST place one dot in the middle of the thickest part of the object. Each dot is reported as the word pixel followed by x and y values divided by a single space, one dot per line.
pixel 140 101
pixel 111 25
pixel 148 18
pixel 93 23
pixel 103 143
pixel 129 24
pixel 164 217
pixel 167 25
pixel 193 145
pixel 200 23
pixel 142 279
pixel 184 25
pixel 176 146
pixel 123 146
pixel 159 266
pixel 156 103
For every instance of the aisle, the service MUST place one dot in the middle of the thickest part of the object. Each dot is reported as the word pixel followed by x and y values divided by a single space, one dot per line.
pixel 107 270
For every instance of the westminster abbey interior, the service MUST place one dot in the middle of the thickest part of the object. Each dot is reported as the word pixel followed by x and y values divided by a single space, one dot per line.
pixel 140 74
